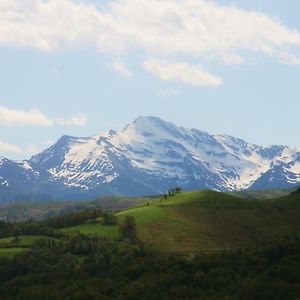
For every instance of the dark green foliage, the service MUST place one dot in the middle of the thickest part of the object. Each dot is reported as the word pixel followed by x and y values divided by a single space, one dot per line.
pixel 27 228
pixel 296 192
pixel 128 229
pixel 4 228
pixel 109 219
pixel 178 189
pixel 49 226
pixel 173 191
pixel 85 267
pixel 16 232
pixel 92 267
pixel 74 219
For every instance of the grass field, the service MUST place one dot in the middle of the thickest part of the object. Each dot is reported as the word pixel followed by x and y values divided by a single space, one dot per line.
pixel 93 228
pixel 10 252
pixel 23 241
pixel 197 221
pixel 205 221
pixel 10 247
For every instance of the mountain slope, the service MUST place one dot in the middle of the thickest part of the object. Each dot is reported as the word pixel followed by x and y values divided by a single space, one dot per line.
pixel 148 156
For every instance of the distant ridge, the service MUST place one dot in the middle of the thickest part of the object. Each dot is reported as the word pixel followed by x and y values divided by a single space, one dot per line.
pixel 147 157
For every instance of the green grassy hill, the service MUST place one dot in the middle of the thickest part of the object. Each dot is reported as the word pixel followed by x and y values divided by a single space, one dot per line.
pixel 205 221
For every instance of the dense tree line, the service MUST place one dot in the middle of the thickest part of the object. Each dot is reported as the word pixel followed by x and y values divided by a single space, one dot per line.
pixel 26 228
pixel 48 227
pixel 74 219
pixel 109 219
pixel 88 267
pixel 296 192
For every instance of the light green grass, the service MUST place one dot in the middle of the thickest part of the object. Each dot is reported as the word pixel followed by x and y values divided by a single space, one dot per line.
pixel 94 228
pixel 142 214
pixel 10 252
pixel 23 240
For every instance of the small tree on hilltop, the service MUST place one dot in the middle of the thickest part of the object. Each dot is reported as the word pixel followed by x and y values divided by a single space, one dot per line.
pixel 128 229
pixel 171 192
pixel 178 189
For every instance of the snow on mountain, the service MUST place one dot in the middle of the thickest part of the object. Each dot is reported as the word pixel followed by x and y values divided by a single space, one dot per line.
pixel 150 155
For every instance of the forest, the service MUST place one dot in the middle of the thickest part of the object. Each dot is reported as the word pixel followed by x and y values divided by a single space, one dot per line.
pixel 82 266
pixel 48 260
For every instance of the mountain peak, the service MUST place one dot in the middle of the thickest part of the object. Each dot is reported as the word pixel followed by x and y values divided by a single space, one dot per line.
pixel 146 120
pixel 148 156
pixel 152 118
pixel 148 124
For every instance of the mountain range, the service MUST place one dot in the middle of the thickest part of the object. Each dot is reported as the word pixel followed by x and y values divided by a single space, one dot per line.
pixel 147 157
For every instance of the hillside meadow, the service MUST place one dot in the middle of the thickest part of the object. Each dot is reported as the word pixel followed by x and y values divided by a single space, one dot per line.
pixel 205 221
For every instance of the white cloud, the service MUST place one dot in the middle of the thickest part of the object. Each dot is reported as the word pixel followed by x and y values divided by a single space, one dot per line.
pixel 194 27
pixel 47 143
pixel 198 29
pixel 119 66
pixel 29 150
pixel 33 117
pixel 32 150
pixel 183 72
pixel 78 120
pixel 290 59
pixel 19 117
pixel 10 148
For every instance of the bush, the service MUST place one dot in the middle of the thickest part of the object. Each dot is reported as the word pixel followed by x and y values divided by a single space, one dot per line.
pixel 128 229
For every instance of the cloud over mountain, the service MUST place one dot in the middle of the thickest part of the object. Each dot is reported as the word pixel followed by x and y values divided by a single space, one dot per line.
pixel 7 147
pixel 182 72
pixel 33 117
pixel 200 29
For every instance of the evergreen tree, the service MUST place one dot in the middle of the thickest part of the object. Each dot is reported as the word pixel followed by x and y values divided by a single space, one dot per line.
pixel 128 229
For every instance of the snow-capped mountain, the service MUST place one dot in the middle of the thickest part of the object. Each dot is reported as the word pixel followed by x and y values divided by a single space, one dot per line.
pixel 147 157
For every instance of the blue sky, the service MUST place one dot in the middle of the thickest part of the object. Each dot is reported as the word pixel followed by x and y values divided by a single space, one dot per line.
pixel 82 67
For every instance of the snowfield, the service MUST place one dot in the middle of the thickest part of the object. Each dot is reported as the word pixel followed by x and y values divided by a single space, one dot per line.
pixel 149 155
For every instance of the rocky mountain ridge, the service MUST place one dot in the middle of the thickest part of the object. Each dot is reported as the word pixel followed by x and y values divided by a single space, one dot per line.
pixel 147 157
